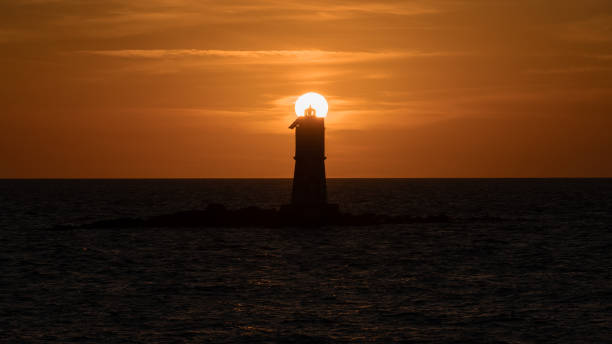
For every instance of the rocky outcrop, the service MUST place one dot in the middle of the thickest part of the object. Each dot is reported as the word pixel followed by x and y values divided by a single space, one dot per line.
pixel 217 215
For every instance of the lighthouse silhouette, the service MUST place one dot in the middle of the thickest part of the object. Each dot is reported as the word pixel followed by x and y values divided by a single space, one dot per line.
pixel 309 192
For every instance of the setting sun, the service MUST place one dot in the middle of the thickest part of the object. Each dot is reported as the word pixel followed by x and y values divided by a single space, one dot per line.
pixel 313 99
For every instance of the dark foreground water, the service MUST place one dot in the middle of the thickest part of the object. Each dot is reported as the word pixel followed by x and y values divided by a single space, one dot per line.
pixel 543 274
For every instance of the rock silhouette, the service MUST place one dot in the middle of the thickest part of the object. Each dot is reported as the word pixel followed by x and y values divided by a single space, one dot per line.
pixel 217 215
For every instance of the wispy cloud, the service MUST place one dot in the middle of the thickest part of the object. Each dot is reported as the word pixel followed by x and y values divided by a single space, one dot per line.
pixel 268 56
pixel 100 18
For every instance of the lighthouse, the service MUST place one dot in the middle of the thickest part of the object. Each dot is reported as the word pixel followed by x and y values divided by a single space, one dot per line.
pixel 309 190
pixel 309 184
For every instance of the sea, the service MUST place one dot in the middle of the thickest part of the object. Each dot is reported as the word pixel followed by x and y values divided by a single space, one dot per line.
pixel 520 261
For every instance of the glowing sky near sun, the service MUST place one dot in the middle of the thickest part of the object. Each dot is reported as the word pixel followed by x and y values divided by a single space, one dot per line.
pixel 186 88
pixel 311 100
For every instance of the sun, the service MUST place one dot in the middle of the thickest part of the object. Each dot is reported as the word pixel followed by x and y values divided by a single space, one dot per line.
pixel 313 99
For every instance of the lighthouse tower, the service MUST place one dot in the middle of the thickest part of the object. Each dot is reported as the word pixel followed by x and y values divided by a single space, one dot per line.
pixel 309 185
pixel 309 194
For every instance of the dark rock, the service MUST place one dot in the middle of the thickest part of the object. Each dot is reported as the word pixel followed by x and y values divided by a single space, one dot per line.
pixel 217 215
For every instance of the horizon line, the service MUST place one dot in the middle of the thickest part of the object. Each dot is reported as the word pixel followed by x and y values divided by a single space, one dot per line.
pixel 279 178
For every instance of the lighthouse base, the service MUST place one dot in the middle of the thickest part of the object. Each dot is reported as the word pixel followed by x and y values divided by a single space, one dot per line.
pixel 310 214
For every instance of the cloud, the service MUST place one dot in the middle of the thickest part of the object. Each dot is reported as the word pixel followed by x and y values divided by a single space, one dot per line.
pixel 258 10
pixel 268 56
pixel 112 18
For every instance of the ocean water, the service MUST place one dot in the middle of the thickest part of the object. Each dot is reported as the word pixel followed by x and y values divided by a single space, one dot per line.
pixel 540 274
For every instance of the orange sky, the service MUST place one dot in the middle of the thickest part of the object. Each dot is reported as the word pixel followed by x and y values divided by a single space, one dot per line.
pixel 186 88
